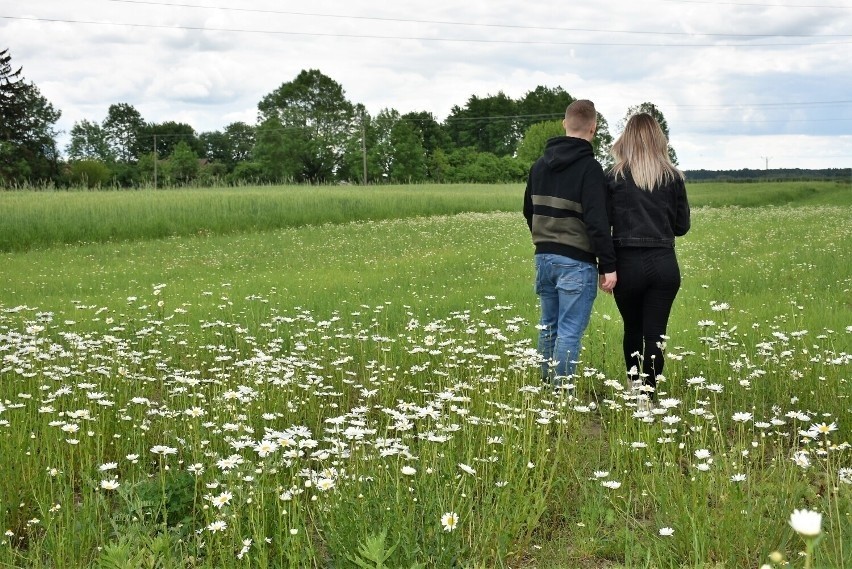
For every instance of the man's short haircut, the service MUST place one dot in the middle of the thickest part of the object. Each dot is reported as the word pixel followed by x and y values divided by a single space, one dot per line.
pixel 580 115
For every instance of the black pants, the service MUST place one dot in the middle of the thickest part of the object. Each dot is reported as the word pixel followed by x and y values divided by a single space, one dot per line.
pixel 648 281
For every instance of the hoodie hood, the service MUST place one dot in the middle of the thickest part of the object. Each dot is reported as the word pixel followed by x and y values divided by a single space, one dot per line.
pixel 562 151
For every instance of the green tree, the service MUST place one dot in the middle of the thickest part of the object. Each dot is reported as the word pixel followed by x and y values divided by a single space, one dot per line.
pixel 183 163
pixel 27 138
pixel 535 138
pixel 543 104
pixel 166 136
pixel 89 142
pixel 488 124
pixel 316 108
pixel 89 173
pixel 408 157
pixel 281 153
pixel 432 133
pixel 230 146
pixel 655 112
pixel 122 127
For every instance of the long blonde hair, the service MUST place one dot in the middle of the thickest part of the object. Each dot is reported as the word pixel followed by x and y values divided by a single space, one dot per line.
pixel 643 150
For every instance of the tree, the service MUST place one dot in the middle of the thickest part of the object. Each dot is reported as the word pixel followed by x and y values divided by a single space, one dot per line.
pixel 280 153
pixel 316 107
pixel 166 136
pixel 231 146
pixel 122 127
pixel 408 157
pixel 183 163
pixel 89 142
pixel 543 104
pixel 27 138
pixel 655 112
pixel 535 138
pixel 488 124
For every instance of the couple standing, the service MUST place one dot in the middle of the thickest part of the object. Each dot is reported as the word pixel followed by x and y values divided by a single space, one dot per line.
pixel 613 230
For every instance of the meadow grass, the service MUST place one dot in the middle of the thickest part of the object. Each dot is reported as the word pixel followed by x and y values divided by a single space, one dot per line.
pixel 34 220
pixel 332 394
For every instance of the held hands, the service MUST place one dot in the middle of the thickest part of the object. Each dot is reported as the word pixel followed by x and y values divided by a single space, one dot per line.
pixel 607 281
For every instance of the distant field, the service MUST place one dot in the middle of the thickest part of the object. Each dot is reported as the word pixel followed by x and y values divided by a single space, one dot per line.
pixel 34 220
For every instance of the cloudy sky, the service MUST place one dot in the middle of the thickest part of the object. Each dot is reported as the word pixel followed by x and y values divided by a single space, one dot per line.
pixel 742 83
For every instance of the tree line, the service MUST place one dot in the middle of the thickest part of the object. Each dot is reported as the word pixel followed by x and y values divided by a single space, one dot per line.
pixel 307 131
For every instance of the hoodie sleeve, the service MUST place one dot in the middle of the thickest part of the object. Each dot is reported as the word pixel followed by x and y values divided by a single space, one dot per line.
pixel 594 200
pixel 528 205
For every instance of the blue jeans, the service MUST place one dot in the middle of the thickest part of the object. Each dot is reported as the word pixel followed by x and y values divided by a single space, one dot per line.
pixel 567 289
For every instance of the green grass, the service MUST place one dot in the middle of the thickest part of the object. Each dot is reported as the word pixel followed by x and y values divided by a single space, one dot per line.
pixel 36 220
pixel 298 325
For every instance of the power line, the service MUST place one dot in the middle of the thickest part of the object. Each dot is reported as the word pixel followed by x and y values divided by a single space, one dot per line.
pixel 468 24
pixel 428 39
pixel 752 4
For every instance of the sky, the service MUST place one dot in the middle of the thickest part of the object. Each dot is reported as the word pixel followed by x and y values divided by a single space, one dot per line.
pixel 741 83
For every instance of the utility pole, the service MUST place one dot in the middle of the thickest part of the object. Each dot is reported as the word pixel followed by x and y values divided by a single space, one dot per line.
pixel 155 161
pixel 767 160
pixel 364 145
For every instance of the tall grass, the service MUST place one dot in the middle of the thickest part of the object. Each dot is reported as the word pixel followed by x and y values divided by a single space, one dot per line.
pixel 324 395
pixel 34 220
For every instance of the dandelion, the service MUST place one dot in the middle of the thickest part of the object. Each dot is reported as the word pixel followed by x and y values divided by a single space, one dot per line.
pixel 450 521
pixel 666 532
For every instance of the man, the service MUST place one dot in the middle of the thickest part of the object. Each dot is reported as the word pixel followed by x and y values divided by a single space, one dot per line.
pixel 565 208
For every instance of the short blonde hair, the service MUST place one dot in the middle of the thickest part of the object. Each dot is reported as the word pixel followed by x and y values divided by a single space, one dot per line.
pixel 643 150
pixel 580 115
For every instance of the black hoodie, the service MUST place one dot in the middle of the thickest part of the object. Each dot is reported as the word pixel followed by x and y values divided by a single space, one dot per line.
pixel 565 204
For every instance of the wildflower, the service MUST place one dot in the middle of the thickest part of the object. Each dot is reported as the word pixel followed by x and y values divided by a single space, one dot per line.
pixel 294 531
pixel 801 459
pixel 469 469
pixel 806 522
pixel 601 473
pixel 741 417
pixel 163 450
pixel 108 466
pixel 408 470
pixel 845 475
pixel 665 532
pixel 823 429
pixel 222 499
pixel 450 521
pixel 611 484
pixel 218 525
pixel 702 454
pixel 325 484
pixel 109 484
pixel 196 469
pixel 738 477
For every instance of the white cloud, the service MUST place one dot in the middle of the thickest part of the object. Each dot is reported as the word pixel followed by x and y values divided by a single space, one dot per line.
pixel 726 105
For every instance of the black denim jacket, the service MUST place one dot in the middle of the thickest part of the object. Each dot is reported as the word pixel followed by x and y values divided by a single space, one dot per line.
pixel 640 218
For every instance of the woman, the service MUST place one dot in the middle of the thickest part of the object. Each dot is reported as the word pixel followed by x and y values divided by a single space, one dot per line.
pixel 647 210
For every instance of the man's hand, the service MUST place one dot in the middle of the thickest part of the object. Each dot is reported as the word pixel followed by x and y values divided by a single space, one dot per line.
pixel 607 281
